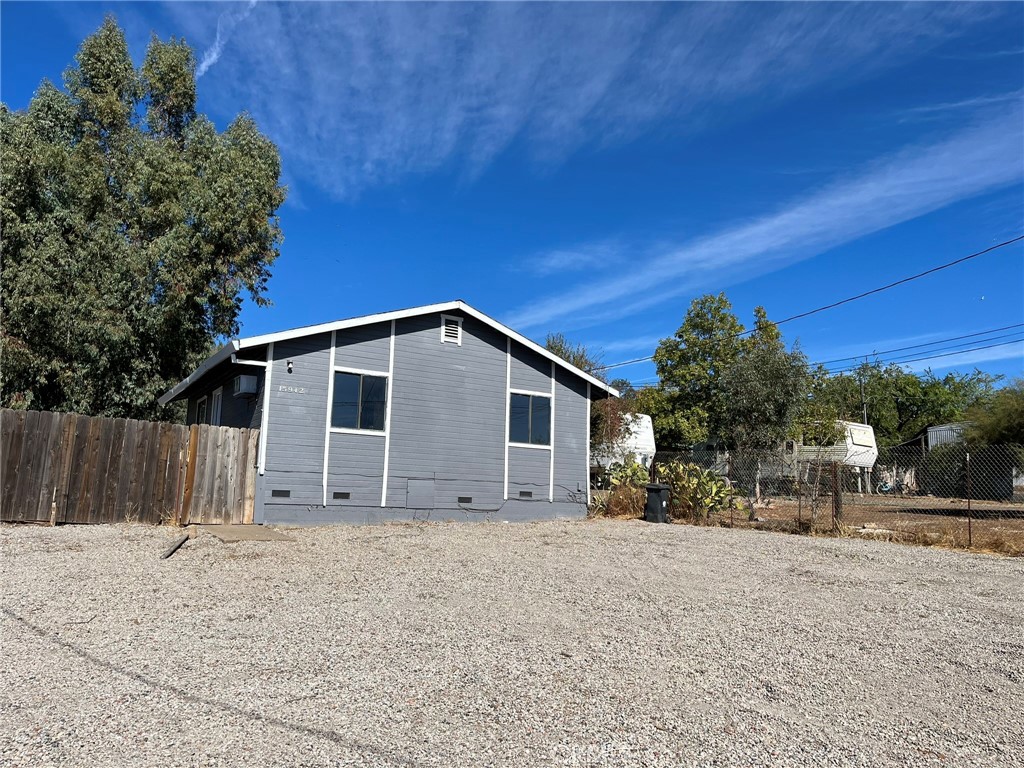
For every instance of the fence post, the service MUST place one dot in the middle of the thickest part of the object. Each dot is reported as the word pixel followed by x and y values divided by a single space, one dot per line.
pixel 969 539
pixel 837 497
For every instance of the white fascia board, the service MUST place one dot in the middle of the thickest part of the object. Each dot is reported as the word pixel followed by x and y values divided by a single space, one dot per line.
pixel 356 322
pixel 535 347
pixel 352 322
pixel 216 358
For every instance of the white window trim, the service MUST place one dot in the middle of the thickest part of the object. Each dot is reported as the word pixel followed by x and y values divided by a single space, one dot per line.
pixel 551 477
pixel 327 418
pixel 529 445
pixel 508 404
pixel 203 399
pixel 508 419
pixel 458 321
pixel 351 431
pixel 387 414
pixel 265 417
pixel 586 432
pixel 217 403
pixel 361 371
pixel 355 430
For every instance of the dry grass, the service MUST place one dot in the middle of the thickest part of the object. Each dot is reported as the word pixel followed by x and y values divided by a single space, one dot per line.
pixel 623 503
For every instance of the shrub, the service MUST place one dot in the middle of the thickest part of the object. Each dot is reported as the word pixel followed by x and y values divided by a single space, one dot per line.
pixel 696 492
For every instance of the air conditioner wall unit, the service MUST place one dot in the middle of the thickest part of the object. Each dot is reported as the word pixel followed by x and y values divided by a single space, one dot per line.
pixel 244 386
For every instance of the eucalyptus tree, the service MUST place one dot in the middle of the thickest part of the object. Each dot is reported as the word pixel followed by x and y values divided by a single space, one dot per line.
pixel 131 230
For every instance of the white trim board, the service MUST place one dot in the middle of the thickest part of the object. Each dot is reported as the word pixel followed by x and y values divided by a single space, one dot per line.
pixel 330 405
pixel 387 415
pixel 449 306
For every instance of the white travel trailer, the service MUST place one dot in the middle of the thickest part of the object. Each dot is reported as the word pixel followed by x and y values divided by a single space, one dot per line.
pixel 638 442
pixel 855 448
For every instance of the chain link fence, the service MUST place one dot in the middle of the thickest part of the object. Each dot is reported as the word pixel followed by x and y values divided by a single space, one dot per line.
pixel 946 496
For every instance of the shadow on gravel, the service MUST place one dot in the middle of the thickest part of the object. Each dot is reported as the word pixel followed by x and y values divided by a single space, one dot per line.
pixel 331 736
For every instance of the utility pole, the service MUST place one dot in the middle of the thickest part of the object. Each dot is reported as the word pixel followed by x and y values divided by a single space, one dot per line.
pixel 863 400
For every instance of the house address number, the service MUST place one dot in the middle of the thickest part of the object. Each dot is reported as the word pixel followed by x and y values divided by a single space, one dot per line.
pixel 296 390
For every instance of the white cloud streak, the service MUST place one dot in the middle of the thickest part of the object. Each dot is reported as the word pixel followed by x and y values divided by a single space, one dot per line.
pixel 986 157
pixel 365 95
pixel 226 24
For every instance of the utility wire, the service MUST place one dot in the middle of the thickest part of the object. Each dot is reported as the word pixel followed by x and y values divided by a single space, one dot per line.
pixel 840 371
pixel 847 300
pixel 928 344
pixel 919 275
pixel 933 356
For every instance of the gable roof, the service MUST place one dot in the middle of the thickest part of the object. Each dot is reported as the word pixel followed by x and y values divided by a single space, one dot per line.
pixel 236 345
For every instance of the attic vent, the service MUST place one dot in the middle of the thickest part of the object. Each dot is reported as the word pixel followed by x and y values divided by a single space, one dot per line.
pixel 451 330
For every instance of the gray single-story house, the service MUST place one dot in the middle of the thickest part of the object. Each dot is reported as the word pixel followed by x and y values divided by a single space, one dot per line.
pixel 435 412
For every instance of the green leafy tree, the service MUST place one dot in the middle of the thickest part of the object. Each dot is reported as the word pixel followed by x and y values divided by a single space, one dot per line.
pixel 131 230
pixel 587 360
pixel 765 388
pixel 1000 420
pixel 691 363
pixel 674 430
pixel 902 404
pixel 720 382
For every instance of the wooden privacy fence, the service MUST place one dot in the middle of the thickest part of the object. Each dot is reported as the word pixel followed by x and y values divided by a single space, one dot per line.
pixel 66 468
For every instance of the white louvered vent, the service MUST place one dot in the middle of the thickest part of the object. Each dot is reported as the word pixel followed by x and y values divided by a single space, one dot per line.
pixel 451 330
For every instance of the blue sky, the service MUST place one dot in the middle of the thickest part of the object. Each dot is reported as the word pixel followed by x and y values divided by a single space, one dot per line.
pixel 591 168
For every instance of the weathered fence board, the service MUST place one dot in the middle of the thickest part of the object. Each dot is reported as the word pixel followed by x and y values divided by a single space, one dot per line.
pixel 67 468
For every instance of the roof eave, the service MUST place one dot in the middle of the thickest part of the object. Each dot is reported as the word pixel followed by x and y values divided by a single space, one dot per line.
pixel 213 360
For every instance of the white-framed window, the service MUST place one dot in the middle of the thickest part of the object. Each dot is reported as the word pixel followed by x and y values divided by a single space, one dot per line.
pixel 216 400
pixel 202 406
pixel 529 419
pixel 451 330
pixel 359 401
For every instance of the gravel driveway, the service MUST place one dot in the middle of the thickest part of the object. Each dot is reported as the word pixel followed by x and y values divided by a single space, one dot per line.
pixel 582 644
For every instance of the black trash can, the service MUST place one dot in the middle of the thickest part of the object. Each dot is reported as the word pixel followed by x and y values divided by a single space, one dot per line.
pixel 656 510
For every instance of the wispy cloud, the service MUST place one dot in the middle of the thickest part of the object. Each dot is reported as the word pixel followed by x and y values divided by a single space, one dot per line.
pixel 930 111
pixel 362 95
pixel 917 181
pixel 594 256
pixel 226 24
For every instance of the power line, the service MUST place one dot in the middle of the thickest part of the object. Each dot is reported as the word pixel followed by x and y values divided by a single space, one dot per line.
pixel 939 354
pixel 939 268
pixel 847 300
pixel 934 356
pixel 928 344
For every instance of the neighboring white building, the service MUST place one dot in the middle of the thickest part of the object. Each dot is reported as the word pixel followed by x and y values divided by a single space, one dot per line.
pixel 638 442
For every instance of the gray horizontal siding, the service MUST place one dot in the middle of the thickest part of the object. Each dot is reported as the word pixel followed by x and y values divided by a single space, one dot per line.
pixel 572 427
pixel 529 469
pixel 366 348
pixel 448 409
pixel 447 420
pixel 530 370
pixel 355 465
pixel 244 411
pixel 297 420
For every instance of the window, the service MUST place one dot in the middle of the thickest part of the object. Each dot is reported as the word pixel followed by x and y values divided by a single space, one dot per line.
pixel 201 406
pixel 529 419
pixel 216 401
pixel 360 401
pixel 451 330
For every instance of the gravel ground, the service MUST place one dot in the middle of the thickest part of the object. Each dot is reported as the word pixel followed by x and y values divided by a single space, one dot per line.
pixel 581 644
